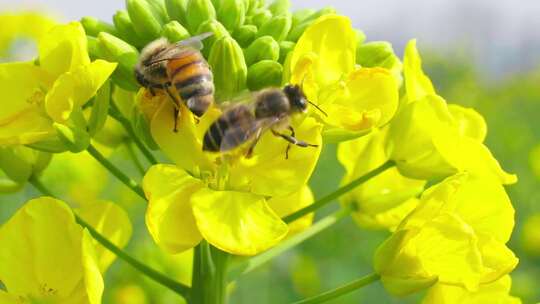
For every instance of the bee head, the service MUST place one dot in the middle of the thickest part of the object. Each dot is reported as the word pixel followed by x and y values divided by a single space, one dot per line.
pixel 296 97
pixel 139 76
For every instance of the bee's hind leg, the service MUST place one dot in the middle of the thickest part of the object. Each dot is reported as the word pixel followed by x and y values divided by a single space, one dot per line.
pixel 292 140
pixel 249 153
pixel 176 104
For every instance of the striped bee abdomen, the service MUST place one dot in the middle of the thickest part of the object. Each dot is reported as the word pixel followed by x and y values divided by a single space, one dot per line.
pixel 192 78
pixel 230 130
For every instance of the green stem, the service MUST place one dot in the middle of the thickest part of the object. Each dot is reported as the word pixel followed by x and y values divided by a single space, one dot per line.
pixel 134 158
pixel 153 274
pixel 336 194
pixel 118 116
pixel 116 172
pixel 250 264
pixel 347 288
pixel 209 278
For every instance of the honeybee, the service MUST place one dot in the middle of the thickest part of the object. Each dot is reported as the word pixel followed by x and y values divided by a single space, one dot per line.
pixel 180 70
pixel 246 123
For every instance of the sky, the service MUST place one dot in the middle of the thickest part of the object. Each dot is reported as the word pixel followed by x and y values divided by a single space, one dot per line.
pixel 502 36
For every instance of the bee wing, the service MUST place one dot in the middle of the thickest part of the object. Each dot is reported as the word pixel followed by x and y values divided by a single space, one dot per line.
pixel 241 133
pixel 194 42
pixel 178 49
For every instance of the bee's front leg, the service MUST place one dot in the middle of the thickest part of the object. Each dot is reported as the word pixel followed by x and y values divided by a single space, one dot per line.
pixel 292 140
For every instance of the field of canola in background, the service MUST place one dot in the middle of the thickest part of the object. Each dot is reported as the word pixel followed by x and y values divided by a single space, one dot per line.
pixel 510 104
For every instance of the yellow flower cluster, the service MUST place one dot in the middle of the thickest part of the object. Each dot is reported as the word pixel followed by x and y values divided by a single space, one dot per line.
pixel 450 238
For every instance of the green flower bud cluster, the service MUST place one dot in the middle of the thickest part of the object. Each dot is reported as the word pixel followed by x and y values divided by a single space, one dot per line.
pixel 250 44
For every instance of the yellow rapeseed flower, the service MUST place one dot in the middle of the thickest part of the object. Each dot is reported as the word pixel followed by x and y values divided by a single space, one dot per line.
pixel 430 139
pixel 231 201
pixel 496 292
pixel 324 62
pixel 47 256
pixel 456 236
pixel 36 97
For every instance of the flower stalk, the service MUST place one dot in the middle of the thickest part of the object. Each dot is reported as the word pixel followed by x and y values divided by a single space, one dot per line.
pixel 209 281
pixel 345 289
pixel 130 183
pixel 338 193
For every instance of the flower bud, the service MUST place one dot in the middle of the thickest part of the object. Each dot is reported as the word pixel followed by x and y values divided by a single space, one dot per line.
pixel 232 13
pixel 19 163
pixel 199 11
pixel 379 54
pixel 300 15
pixel 75 139
pixel 360 37
pixel 125 29
pixel 262 48
pixel 373 54
pixel 298 29
pixel 93 48
pixel 285 48
pixel 277 27
pixel 245 35
pixel 260 17
pixel 174 31
pixel 100 109
pixel 159 10
pixel 280 7
pixel 146 24
pixel 264 74
pixel 254 5
pixel 93 26
pixel 212 26
pixel 229 68
pixel 114 49
pixel 176 9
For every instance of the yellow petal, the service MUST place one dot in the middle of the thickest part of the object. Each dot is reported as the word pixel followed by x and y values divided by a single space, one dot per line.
pixel 6 298
pixel 411 139
pixel 237 222
pixel 27 127
pixel 185 146
pixel 370 93
pixel 496 292
pixel 286 205
pixel 22 84
pixel 269 173
pixel 112 222
pixel 63 49
pixel 168 190
pixel 42 231
pixel 332 39
pixel 401 274
pixel 445 247
pixel 31 25
pixel 467 154
pixel 469 122
pixel 73 89
pixel 497 258
pixel 417 84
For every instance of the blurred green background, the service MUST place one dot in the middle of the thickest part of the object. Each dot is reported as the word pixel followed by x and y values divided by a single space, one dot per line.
pixel 343 252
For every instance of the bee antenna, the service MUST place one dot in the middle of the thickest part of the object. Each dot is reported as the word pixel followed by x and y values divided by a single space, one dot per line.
pixel 318 108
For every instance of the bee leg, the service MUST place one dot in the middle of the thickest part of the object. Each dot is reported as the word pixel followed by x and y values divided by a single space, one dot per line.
pixel 176 104
pixel 151 89
pixel 293 140
pixel 293 134
pixel 249 153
